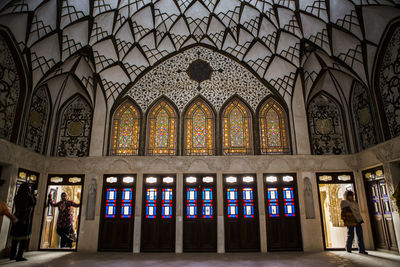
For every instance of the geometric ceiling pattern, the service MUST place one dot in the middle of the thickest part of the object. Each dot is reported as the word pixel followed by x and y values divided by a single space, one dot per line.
pixel 119 40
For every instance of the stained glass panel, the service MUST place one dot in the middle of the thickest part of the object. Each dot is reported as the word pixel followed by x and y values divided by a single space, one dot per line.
pixel 126 128
pixel 191 205
pixel 273 204
pixel 236 129
pixel 162 130
pixel 288 202
pixel 232 208
pixel 111 202
pixel 199 129
pixel 207 203
pixel 273 128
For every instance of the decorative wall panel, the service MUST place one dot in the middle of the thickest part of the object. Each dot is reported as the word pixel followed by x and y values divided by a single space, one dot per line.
pixel 38 120
pixel 73 137
pixel 363 118
pixel 326 126
pixel 389 83
pixel 172 78
pixel 9 90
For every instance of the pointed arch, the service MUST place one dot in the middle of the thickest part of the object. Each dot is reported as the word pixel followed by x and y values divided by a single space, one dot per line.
pixel 12 87
pixel 162 128
pixel 326 125
pixel 199 128
pixel 38 120
pixel 362 113
pixel 387 80
pixel 274 130
pixel 74 128
pixel 126 129
pixel 236 128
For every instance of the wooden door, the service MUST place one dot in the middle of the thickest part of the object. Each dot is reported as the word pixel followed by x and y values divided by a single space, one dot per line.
pixel 200 218
pixel 283 216
pixel 117 213
pixel 241 213
pixel 158 220
pixel 380 210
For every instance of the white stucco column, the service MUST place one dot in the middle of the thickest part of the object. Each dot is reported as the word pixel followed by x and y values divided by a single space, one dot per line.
pixel 220 214
pixel 261 212
pixel 311 230
pixel 89 229
pixel 138 213
pixel 99 123
pixel 300 120
pixel 179 214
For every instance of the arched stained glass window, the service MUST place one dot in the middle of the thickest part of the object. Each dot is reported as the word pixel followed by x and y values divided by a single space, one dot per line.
pixel 126 129
pixel 273 128
pixel 326 126
pixel 236 129
pixel 162 133
pixel 199 129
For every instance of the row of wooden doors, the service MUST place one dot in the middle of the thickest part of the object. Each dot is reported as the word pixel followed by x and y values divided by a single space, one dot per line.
pixel 199 213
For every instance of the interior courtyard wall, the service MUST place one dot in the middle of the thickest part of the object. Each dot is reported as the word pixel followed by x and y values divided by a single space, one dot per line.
pixel 95 167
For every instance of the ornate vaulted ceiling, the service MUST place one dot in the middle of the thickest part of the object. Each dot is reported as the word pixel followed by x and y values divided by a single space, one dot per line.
pixel 119 40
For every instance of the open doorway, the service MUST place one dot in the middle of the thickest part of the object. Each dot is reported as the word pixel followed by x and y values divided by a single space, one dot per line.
pixel 61 215
pixel 331 189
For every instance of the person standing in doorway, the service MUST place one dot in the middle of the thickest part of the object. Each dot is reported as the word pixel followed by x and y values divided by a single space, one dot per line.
pixel 350 214
pixel 21 231
pixel 65 220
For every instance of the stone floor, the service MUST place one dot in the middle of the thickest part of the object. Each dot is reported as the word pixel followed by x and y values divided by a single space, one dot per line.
pixel 272 259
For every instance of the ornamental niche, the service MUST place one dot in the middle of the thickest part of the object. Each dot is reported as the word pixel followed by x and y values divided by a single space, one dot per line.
pixel 74 130
pixel 389 83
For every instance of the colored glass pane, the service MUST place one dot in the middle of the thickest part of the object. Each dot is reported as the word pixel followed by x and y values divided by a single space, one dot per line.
pixel 111 198
pixel 273 132
pixel 126 130
pixel 236 129
pixel 273 202
pixel 232 204
pixel 162 130
pixel 162 125
pixel 207 203
pixel 199 129
pixel 248 205
pixel 273 129
pixel 126 205
pixel 288 202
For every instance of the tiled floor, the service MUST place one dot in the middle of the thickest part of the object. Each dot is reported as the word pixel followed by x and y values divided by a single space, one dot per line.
pixel 272 259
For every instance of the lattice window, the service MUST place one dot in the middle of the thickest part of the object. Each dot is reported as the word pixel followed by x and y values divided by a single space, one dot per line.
pixel 38 120
pixel 199 129
pixel 389 83
pixel 362 115
pixel 273 128
pixel 326 126
pixel 10 92
pixel 73 136
pixel 126 129
pixel 162 129
pixel 236 129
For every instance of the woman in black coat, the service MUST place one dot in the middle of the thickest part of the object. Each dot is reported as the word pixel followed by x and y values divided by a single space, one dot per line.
pixel 24 203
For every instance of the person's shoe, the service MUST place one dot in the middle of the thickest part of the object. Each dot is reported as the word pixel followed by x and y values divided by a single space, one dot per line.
pixel 348 250
pixel 12 258
pixel 363 252
pixel 21 259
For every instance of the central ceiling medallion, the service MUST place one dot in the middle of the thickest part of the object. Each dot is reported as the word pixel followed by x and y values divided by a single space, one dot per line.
pixel 199 70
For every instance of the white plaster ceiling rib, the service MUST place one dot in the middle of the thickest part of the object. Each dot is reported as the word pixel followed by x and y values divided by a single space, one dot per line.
pixel 123 38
